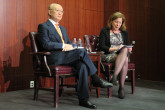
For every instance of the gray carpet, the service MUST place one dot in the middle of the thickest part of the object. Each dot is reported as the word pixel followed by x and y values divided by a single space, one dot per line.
pixel 148 96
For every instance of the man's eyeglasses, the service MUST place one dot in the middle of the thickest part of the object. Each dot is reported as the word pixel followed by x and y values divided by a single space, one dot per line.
pixel 58 10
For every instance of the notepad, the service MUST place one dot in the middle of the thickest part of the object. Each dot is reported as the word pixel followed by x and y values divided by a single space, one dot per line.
pixel 128 46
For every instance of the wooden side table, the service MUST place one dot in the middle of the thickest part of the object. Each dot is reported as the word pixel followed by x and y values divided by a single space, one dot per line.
pixel 96 57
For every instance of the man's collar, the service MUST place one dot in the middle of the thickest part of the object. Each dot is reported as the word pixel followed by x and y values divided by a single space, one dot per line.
pixel 53 22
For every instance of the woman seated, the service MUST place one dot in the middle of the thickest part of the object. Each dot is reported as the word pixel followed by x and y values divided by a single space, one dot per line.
pixel 113 39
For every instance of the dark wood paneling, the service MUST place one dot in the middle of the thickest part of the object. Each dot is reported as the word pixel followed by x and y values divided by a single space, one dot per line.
pixel 145 26
pixel 110 6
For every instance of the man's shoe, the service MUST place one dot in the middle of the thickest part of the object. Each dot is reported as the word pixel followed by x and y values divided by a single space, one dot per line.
pixel 102 83
pixel 87 103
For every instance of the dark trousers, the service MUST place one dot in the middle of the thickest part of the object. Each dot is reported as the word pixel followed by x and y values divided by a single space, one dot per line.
pixel 83 67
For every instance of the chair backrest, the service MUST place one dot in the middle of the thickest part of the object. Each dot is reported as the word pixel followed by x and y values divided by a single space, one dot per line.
pixel 39 61
pixel 32 36
pixel 93 41
pixel 34 49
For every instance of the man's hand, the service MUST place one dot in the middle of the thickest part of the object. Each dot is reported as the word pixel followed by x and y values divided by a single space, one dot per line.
pixel 67 47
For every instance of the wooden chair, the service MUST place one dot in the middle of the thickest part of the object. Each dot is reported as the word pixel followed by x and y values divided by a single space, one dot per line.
pixel 108 68
pixel 41 69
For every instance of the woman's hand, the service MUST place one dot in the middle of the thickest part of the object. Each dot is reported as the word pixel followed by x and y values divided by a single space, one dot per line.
pixel 115 48
pixel 120 46
pixel 129 50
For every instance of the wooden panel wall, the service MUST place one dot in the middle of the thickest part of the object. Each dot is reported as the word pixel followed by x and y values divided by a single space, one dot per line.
pixel 145 22
pixel 19 17
pixel 110 6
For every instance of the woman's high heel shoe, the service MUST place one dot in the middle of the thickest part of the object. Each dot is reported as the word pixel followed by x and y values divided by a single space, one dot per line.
pixel 114 80
pixel 121 93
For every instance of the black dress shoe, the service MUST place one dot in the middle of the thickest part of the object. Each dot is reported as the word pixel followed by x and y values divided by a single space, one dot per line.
pixel 87 103
pixel 121 93
pixel 102 83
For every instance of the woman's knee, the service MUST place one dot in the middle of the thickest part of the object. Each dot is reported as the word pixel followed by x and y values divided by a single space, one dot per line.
pixel 124 50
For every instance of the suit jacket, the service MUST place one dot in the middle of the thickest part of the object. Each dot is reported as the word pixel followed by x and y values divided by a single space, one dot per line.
pixel 49 40
pixel 104 39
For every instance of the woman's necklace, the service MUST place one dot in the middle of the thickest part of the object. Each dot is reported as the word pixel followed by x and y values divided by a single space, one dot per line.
pixel 115 32
pixel 117 35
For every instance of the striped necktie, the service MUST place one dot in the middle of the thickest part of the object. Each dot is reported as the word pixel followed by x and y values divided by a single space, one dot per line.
pixel 58 30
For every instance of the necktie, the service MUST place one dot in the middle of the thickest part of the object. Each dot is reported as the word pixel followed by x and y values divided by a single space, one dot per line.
pixel 58 30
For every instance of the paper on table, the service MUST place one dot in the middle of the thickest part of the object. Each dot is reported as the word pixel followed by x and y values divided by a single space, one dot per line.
pixel 80 48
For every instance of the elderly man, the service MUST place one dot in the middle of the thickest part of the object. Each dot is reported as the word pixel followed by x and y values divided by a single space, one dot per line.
pixel 53 37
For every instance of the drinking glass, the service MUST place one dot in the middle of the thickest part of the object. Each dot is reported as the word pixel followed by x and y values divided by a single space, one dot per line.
pixel 88 48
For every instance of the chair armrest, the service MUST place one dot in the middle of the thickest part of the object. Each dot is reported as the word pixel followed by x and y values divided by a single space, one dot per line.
pixel 41 61
pixel 40 53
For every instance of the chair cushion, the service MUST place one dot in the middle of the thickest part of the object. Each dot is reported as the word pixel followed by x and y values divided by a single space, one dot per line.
pixel 110 66
pixel 131 66
pixel 61 70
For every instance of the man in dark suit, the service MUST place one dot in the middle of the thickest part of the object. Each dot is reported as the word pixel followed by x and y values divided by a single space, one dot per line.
pixel 53 37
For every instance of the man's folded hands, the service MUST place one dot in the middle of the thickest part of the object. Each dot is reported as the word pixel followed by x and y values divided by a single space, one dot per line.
pixel 67 47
